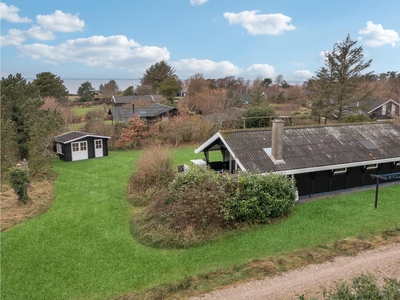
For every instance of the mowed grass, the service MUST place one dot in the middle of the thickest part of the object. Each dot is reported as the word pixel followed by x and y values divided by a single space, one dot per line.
pixel 82 247
pixel 81 111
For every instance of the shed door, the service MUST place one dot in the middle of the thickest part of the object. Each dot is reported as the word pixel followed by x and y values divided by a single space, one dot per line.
pixel 79 150
pixel 98 148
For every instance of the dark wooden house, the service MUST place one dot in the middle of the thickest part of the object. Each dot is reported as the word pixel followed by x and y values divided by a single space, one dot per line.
pixel 384 109
pixel 150 112
pixel 75 145
pixel 320 158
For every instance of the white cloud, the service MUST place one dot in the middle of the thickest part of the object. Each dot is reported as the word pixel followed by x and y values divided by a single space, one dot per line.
pixel 98 51
pixel 271 24
pixel 302 75
pixel 210 69
pixel 60 22
pixel 198 2
pixel 376 36
pixel 14 37
pixel 56 22
pixel 10 13
pixel 261 70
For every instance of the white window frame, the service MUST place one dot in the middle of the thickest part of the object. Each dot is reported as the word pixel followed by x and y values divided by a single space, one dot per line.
pixel 98 144
pixel 83 146
pixel 384 110
pixel 75 147
pixel 393 110
pixel 339 171
pixel 372 166
pixel 59 148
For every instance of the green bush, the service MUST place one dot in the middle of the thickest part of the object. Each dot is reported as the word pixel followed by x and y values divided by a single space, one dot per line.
pixel 259 198
pixel 199 204
pixel 195 198
pixel 19 180
pixel 262 111
pixel 357 119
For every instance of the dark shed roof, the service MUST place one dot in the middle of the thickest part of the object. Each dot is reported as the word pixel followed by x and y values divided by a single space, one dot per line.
pixel 75 135
pixel 379 102
pixel 136 99
pixel 123 114
pixel 311 147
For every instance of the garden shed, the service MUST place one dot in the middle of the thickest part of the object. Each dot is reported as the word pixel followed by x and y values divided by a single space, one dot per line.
pixel 76 145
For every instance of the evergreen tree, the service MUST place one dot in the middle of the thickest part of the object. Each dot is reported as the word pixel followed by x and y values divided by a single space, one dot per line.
pixel 20 103
pixel 169 88
pixel 156 74
pixel 340 84
pixel 51 85
pixel 85 92
pixel 30 129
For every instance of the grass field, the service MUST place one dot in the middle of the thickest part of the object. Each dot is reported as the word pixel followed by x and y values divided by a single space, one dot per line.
pixel 82 247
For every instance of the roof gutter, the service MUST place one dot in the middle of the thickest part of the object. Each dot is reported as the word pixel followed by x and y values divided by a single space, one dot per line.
pixel 332 167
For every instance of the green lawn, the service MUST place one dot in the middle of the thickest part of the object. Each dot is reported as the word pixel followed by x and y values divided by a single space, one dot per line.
pixel 81 111
pixel 82 248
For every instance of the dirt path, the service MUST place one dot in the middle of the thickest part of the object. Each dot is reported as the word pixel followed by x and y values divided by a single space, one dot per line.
pixel 311 280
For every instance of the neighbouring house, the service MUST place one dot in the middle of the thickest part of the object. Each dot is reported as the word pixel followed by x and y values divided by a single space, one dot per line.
pixel 374 108
pixel 142 99
pixel 75 145
pixel 151 112
pixel 384 109
pixel 320 158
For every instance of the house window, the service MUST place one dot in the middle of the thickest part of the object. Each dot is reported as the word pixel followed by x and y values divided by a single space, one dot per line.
pixel 393 109
pixel 59 148
pixel 339 171
pixel 384 110
pixel 98 144
pixel 75 147
pixel 373 166
pixel 83 146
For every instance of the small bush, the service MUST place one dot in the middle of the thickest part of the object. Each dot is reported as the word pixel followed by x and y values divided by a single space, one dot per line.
pixel 19 180
pixel 365 287
pixel 154 172
pixel 357 119
pixel 258 198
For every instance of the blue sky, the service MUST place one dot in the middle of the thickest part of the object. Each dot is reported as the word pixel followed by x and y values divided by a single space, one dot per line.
pixel 217 38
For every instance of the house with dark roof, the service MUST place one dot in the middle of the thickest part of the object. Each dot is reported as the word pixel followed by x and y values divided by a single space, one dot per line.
pixel 320 158
pixel 150 112
pixel 137 99
pixel 76 145
pixel 384 109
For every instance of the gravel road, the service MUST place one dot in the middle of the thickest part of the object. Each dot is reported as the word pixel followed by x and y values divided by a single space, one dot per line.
pixel 311 280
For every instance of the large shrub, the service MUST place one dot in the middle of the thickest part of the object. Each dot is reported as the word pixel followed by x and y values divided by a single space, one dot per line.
pixel 258 198
pixel 196 197
pixel 199 205
pixel 186 213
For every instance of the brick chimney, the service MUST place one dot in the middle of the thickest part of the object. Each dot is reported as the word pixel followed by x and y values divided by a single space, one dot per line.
pixel 277 139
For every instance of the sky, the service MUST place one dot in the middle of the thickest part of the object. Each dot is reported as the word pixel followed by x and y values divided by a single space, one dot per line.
pixel 216 38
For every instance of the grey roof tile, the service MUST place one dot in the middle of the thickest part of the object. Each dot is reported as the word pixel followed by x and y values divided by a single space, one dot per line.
pixel 311 147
